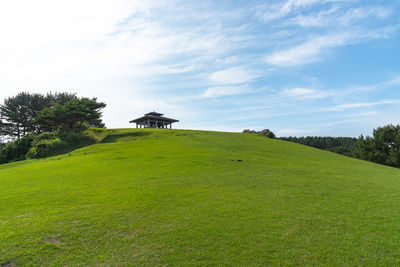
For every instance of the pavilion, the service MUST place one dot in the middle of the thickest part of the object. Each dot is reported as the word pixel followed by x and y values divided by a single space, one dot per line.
pixel 153 120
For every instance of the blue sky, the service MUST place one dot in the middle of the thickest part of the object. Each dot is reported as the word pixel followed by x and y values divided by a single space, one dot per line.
pixel 297 67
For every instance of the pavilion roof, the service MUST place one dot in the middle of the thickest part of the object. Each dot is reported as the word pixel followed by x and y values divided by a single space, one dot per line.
pixel 154 113
pixel 155 116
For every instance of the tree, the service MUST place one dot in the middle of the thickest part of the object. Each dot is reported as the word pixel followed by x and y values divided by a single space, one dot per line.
pixel 14 115
pixel 14 151
pixel 267 133
pixel 18 113
pixel 50 119
pixel 59 98
pixel 383 147
pixel 72 116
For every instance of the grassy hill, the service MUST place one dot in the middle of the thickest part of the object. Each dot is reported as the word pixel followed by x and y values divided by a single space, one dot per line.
pixel 174 197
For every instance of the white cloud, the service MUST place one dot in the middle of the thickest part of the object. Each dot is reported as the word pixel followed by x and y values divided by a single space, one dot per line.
pixel 336 17
pixel 235 75
pixel 395 81
pixel 315 20
pixel 363 104
pixel 277 11
pixel 366 90
pixel 323 25
pixel 311 50
pixel 304 93
pixel 219 91
pixel 308 51
pixel 363 114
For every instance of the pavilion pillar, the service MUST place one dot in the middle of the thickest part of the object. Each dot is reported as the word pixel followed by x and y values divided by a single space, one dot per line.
pixel 170 125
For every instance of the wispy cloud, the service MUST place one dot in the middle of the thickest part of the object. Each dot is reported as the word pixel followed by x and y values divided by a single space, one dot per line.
pixel 395 81
pixel 218 91
pixel 338 18
pixel 311 50
pixel 363 104
pixel 235 75
pixel 304 93
pixel 308 51
pixel 321 26
pixel 279 10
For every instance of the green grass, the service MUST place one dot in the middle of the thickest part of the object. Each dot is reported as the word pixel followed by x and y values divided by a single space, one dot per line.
pixel 174 197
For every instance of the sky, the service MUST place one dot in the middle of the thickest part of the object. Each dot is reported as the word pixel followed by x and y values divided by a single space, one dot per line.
pixel 297 67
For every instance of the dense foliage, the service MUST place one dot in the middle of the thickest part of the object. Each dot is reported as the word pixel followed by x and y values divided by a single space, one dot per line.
pixel 383 147
pixel 16 150
pixel 266 132
pixel 340 145
pixel 72 116
pixel 45 125
pixel 18 113
pixel 42 145
pixel 49 144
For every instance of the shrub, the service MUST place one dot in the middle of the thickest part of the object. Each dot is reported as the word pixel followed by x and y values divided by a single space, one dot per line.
pixel 46 147
pixel 53 143
pixel 74 139
pixel 266 132
pixel 43 145
pixel 16 150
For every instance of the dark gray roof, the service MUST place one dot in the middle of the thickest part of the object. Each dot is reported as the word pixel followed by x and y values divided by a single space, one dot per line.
pixel 154 115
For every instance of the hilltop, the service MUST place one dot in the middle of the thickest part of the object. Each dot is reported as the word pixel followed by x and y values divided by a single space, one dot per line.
pixel 178 197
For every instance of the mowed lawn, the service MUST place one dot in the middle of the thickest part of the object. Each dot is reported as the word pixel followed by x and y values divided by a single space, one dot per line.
pixel 175 197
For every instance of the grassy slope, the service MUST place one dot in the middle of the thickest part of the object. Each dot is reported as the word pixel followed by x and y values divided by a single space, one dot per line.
pixel 182 197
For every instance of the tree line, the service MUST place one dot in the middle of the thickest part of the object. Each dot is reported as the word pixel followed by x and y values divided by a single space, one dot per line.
pixel 44 122
pixel 340 145
pixel 382 147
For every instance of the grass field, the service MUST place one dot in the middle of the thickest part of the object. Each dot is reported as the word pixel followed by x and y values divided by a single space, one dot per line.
pixel 174 197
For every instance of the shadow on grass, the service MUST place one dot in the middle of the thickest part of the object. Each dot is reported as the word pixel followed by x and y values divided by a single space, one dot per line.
pixel 71 148
pixel 112 138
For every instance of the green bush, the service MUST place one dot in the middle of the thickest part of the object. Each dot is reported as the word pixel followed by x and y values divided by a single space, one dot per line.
pixel 16 150
pixel 43 145
pixel 266 132
pixel 53 143
pixel 46 147
pixel 74 139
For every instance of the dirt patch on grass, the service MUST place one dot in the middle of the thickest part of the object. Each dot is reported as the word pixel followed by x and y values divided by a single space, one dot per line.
pixel 52 240
pixel 9 264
